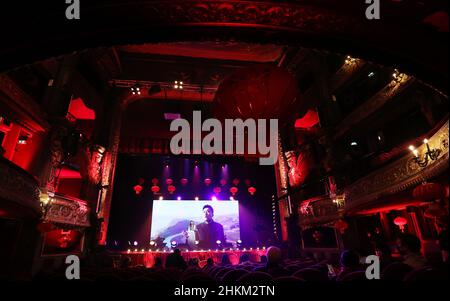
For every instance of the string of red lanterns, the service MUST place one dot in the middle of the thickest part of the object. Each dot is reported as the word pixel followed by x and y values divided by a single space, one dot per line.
pixel 171 188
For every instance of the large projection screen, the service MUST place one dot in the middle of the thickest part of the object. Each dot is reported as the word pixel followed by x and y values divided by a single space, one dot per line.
pixel 171 220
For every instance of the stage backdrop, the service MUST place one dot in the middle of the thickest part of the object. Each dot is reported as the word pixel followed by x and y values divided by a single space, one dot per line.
pixel 132 214
pixel 172 218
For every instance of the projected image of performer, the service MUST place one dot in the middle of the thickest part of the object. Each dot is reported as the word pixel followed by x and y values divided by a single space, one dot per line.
pixel 191 235
pixel 209 232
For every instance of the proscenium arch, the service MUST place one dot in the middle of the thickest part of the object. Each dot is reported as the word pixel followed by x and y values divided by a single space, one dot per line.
pixel 398 40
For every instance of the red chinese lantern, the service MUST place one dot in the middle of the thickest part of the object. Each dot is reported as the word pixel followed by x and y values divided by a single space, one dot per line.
pixel 155 181
pixel 233 190
pixel 341 225
pixel 137 189
pixel 247 182
pixel 155 189
pixel 184 181
pixel 207 181
pixel 260 91
pixel 217 190
pixel 252 190
pixel 235 182
pixel 171 189
pixel 45 227
pixel 169 181
pixel 223 182
pixel 400 222
pixel 429 192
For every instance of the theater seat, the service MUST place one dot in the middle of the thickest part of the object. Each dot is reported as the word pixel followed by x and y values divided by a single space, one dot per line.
pixel 427 274
pixel 355 276
pixel 289 279
pixel 310 274
pixel 395 271
pixel 234 275
pixel 255 277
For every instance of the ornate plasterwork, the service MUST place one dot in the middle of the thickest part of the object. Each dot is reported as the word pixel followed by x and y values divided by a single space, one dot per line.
pixel 17 186
pixel 399 175
pixel 288 15
pixel 22 103
pixel 375 103
pixel 68 211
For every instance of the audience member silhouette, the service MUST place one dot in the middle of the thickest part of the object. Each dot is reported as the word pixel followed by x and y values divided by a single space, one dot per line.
pixel 409 247
pixel 349 263
pixel 175 260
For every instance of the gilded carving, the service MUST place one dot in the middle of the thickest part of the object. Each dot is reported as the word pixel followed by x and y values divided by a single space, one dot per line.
pixel 68 211
pixel 399 175
pixel 17 186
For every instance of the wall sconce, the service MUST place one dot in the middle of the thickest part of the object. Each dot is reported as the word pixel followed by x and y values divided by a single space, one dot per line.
pixel 339 201
pixel 45 199
pixel 430 154
pixel 350 60
pixel 398 76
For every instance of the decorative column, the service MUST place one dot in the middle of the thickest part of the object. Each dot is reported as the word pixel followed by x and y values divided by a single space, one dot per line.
pixel 284 206
pixel 108 171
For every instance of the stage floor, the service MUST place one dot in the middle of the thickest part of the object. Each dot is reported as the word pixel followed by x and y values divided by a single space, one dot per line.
pixel 147 258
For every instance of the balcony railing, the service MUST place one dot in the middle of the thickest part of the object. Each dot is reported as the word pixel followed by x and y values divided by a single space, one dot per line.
pixel 399 175
pixel 18 186
pixel 68 210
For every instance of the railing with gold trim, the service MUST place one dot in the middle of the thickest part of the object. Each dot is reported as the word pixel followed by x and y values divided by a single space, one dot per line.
pixel 18 186
pixel 68 210
pixel 399 175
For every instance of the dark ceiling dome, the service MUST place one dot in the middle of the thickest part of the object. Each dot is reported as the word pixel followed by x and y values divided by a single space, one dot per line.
pixel 260 91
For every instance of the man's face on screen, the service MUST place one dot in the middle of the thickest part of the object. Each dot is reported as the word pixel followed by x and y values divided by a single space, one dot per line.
pixel 208 213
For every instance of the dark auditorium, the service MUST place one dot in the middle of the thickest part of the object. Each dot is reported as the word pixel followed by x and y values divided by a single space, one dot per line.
pixel 198 143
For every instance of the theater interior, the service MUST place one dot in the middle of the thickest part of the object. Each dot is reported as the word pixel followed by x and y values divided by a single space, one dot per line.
pixel 361 145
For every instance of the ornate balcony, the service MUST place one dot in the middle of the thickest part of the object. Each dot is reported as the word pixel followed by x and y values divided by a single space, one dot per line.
pixel 320 210
pixel 67 210
pixel 400 175
pixel 18 188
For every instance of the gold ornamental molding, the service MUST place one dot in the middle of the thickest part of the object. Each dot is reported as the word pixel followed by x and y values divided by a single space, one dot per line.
pixel 19 187
pixel 25 109
pixel 400 175
pixel 395 86
pixel 68 211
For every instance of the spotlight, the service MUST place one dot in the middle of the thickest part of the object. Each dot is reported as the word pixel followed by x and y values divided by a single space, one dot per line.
pixel 135 243
pixel 160 198
pixel 196 198
pixel 136 90
pixel 239 243
pixel 178 85
pixel 231 198
pixel 354 143
pixel 22 140
pixel 179 198
pixel 218 242
pixel 152 243
pixel 214 198
pixel 174 244
pixel 197 242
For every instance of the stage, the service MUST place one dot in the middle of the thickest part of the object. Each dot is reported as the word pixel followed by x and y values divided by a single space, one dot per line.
pixel 147 258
